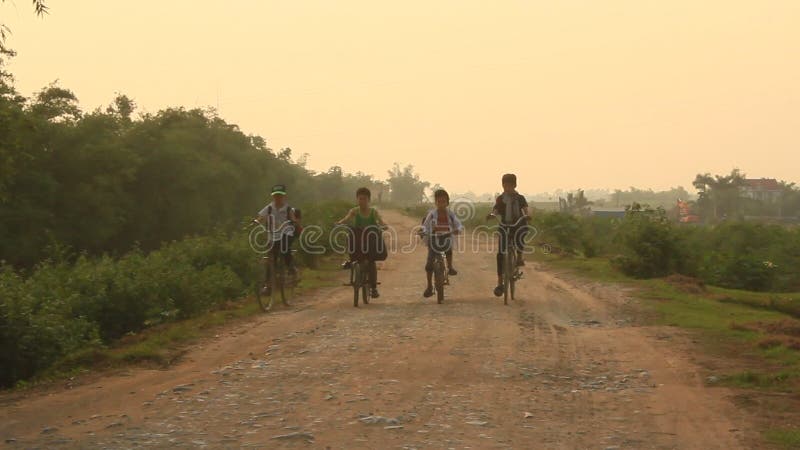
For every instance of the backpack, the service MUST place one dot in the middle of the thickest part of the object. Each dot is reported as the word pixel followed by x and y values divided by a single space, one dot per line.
pixel 297 214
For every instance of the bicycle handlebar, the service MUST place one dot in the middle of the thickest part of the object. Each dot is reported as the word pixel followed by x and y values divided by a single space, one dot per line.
pixel 425 233
pixel 280 228
pixel 353 227
pixel 521 218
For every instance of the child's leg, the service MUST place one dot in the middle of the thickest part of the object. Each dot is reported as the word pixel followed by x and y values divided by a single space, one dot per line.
pixel 499 268
pixel 429 266
pixel 502 247
pixel 286 250
pixel 519 238
pixel 429 273
pixel 373 274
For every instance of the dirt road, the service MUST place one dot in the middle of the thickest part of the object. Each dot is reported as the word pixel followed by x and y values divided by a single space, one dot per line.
pixel 562 367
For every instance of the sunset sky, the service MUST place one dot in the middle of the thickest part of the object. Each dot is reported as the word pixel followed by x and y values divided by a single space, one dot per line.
pixel 591 94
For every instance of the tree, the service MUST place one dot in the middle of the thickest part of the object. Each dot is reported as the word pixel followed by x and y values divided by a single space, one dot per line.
pixel 578 203
pixel 55 103
pixel 122 107
pixel 790 200
pixel 331 185
pixel 719 195
pixel 406 186
pixel 665 199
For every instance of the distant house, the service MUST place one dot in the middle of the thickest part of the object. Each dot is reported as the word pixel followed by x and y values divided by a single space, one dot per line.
pixel 609 212
pixel 685 214
pixel 762 189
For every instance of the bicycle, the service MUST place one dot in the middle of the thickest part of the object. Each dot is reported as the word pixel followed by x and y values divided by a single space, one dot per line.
pixel 273 278
pixel 441 276
pixel 511 271
pixel 361 267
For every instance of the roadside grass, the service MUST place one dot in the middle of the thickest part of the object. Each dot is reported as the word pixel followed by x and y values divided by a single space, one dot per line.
pixel 760 327
pixel 787 438
pixel 162 345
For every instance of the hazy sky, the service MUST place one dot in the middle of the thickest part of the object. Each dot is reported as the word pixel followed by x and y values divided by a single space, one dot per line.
pixel 567 93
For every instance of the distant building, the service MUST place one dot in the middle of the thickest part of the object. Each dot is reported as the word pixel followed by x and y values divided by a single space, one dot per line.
pixel 762 189
pixel 685 214
pixel 609 212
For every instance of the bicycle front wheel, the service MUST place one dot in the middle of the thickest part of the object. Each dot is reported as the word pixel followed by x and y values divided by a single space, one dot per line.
pixel 508 275
pixel 289 285
pixel 514 271
pixel 280 289
pixel 366 284
pixel 357 281
pixel 264 282
pixel 438 279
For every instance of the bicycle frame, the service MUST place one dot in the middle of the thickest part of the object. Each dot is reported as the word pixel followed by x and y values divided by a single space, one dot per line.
pixel 511 272
pixel 440 272
pixel 274 275
pixel 360 270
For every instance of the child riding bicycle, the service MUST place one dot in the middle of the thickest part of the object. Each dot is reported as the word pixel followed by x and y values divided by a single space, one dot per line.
pixel 282 221
pixel 511 208
pixel 440 220
pixel 365 219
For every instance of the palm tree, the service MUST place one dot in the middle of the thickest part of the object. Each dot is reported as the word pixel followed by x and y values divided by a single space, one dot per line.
pixel 720 192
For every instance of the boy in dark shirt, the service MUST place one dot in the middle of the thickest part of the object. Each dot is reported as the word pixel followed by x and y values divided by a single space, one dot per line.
pixel 510 207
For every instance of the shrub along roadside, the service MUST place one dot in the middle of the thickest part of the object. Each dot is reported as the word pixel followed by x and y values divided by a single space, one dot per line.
pixel 65 305
pixel 645 244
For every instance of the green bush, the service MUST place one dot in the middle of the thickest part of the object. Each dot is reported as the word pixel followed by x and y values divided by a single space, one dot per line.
pixel 65 305
pixel 749 256
pixel 596 236
pixel 648 245
pixel 645 244
pixel 560 229
pixel 36 330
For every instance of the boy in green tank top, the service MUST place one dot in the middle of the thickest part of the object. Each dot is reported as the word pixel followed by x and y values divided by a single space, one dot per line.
pixel 363 216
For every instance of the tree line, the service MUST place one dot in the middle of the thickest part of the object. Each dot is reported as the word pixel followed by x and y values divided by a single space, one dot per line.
pixel 109 180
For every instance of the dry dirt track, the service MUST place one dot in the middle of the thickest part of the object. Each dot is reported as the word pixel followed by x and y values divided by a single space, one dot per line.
pixel 561 367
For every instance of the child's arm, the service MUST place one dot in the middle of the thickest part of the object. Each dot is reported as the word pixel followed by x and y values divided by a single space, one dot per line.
pixel 263 217
pixel 348 217
pixel 379 219
pixel 495 209
pixel 523 207
pixel 458 227
pixel 426 223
